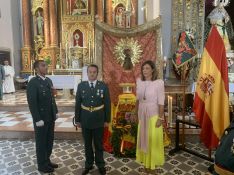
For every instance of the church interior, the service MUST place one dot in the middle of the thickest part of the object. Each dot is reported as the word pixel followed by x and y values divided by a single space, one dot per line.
pixel 118 36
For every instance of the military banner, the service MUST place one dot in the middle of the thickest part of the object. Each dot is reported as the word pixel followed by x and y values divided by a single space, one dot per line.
pixel 185 51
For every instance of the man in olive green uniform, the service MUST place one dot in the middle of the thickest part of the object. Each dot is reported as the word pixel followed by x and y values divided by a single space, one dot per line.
pixel 44 113
pixel 224 155
pixel 92 113
pixel 2 78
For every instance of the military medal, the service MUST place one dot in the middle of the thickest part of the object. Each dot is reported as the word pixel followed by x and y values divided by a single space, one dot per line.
pixel 101 93
pixel 98 93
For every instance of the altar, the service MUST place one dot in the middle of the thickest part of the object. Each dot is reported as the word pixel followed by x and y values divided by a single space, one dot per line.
pixel 64 81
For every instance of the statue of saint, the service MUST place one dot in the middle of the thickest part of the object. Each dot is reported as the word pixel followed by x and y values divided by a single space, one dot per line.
pixel 119 17
pixel 80 4
pixel 220 18
pixel 40 23
pixel 127 65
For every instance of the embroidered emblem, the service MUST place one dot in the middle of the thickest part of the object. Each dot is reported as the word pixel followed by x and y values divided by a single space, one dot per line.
pixel 206 84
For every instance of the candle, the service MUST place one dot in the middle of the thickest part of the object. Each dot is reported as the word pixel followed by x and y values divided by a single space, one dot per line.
pixel 169 100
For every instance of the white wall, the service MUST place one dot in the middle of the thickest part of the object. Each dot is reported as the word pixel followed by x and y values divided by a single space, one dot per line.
pixel 10 31
pixel 165 12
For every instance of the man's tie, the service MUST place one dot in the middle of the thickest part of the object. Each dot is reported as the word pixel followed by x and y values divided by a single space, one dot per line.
pixel 92 87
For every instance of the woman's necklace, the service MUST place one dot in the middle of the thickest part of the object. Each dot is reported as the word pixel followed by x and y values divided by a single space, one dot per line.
pixel 146 84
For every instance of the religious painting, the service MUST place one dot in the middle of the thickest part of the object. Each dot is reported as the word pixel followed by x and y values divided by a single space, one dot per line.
pixel 120 17
pixel 78 38
pixel 76 7
pixel 39 22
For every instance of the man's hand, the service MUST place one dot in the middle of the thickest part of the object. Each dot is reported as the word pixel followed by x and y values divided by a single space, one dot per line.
pixel 106 124
pixel 40 123
pixel 78 124
pixel 57 116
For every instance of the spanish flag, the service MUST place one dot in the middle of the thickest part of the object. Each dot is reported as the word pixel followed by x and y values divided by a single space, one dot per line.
pixel 211 104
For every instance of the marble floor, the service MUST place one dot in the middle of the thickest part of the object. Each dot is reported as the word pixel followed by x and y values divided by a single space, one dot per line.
pixel 17 157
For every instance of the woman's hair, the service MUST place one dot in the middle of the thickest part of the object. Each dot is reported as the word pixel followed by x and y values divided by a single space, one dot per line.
pixel 153 67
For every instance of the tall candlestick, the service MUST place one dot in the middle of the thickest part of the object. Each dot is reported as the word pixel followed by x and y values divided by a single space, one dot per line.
pixel 70 7
pixel 169 100
pixel 60 55
pixel 66 55
pixel 31 67
pixel 89 48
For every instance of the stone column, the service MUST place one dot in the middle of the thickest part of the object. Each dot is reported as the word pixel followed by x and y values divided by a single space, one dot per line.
pixel 46 22
pixel 53 24
pixel 26 23
pixel 26 51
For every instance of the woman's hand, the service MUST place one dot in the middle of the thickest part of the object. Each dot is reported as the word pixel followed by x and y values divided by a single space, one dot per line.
pixel 158 123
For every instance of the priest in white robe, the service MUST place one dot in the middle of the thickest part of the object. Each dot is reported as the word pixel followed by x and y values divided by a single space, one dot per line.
pixel 8 84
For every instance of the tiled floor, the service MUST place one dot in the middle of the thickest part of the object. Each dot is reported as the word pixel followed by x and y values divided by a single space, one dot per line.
pixel 19 98
pixel 18 157
pixel 22 121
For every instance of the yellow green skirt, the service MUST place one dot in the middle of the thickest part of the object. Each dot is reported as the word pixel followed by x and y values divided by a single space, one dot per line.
pixel 155 152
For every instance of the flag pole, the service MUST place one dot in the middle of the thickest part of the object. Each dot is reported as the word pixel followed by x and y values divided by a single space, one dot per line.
pixel 183 106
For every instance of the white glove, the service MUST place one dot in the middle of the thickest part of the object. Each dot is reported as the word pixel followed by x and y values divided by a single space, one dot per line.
pixel 40 123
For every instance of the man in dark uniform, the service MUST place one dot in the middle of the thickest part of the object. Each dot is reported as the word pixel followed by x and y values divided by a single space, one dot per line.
pixel 224 155
pixel 44 112
pixel 92 113
pixel 2 78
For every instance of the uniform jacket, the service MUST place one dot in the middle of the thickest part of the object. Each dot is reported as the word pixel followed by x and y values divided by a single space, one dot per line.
pixel 41 101
pixel 96 97
pixel 2 73
pixel 224 155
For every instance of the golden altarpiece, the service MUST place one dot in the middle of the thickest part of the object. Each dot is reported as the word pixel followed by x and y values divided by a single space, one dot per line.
pixel 62 32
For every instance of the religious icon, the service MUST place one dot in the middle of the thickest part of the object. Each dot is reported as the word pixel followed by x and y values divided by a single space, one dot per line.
pixel 120 17
pixel 78 38
pixel 220 18
pixel 40 22
pixel 78 6
pixel 127 65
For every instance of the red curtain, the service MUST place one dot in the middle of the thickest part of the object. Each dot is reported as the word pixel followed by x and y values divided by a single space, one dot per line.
pixel 113 73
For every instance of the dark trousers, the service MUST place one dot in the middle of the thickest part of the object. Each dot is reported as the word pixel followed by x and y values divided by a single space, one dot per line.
pixel 93 136
pixel 1 90
pixel 44 137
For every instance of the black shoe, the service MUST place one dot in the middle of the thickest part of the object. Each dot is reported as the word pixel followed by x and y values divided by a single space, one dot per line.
pixel 46 169
pixel 102 171
pixel 53 165
pixel 86 171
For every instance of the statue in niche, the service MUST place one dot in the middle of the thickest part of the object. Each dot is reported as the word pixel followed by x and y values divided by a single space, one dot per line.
pixel 120 17
pixel 77 6
pixel 127 65
pixel 40 23
pixel 80 4
pixel 220 18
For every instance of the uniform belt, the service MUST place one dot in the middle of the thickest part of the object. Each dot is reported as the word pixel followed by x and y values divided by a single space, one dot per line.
pixel 91 108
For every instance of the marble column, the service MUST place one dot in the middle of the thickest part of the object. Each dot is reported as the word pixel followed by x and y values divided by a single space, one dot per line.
pixel 46 22
pixel 53 24
pixel 100 10
pixel 26 23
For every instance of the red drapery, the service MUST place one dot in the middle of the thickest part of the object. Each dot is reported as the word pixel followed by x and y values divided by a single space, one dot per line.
pixel 113 73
